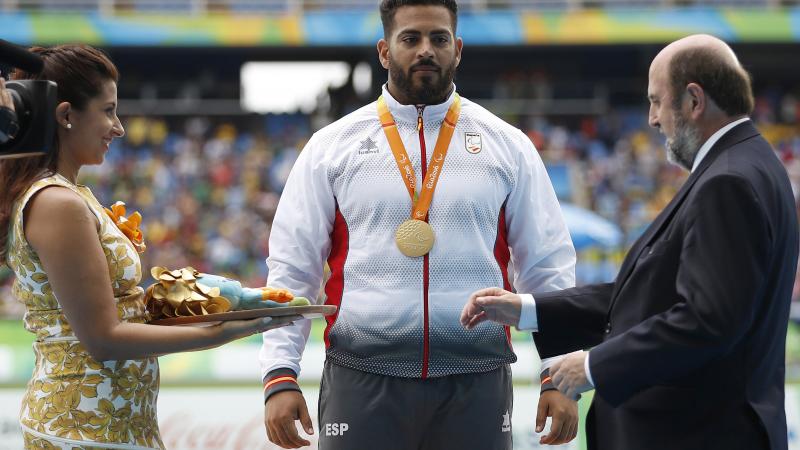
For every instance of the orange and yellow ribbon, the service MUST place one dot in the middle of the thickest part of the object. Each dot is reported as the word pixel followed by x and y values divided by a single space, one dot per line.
pixel 129 226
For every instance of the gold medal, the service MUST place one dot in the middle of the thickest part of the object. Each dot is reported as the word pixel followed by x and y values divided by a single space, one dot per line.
pixel 414 238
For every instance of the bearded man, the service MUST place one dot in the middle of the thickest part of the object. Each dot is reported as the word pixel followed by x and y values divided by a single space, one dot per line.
pixel 416 200
pixel 688 343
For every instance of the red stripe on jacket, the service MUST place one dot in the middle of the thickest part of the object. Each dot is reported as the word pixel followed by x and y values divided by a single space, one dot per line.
pixel 340 243
pixel 502 255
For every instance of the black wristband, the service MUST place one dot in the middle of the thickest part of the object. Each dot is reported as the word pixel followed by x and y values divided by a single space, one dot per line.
pixel 279 380
pixel 547 383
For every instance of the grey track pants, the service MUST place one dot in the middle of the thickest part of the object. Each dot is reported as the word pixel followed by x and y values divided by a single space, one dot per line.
pixel 365 411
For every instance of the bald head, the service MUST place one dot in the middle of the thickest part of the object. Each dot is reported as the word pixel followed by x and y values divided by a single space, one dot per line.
pixel 705 42
pixel 709 62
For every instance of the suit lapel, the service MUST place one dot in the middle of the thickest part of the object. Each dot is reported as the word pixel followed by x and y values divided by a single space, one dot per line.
pixel 737 134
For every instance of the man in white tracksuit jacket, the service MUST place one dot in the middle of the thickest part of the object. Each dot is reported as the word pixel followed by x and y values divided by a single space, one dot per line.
pixel 401 373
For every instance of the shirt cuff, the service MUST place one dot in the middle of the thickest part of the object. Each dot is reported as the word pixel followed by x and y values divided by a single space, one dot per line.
pixel 548 362
pixel 544 373
pixel 527 317
pixel 586 369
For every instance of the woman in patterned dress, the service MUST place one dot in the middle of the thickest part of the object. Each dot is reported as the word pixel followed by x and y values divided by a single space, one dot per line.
pixel 96 378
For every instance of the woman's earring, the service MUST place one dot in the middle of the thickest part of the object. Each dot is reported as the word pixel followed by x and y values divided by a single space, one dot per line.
pixel 69 126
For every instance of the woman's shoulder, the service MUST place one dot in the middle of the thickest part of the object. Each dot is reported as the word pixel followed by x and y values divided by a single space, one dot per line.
pixel 48 208
pixel 56 212
pixel 58 197
pixel 49 193
pixel 43 184
pixel 55 203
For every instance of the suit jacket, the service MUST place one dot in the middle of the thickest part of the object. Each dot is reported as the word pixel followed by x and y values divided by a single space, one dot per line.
pixel 689 341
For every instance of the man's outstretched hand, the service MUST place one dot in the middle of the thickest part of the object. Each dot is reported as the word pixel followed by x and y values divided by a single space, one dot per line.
pixel 495 304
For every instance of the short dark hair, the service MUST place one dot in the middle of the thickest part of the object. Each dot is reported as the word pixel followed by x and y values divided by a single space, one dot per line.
pixel 389 8
pixel 727 84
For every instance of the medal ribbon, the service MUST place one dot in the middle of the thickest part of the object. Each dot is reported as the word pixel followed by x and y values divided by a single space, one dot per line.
pixel 420 207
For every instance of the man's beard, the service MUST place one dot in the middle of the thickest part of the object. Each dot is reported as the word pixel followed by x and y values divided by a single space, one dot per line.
pixel 431 91
pixel 683 147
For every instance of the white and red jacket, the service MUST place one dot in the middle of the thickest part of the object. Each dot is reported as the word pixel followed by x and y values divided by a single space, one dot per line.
pixel 496 219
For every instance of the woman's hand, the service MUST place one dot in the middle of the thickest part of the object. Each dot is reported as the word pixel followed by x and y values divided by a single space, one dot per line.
pixel 237 329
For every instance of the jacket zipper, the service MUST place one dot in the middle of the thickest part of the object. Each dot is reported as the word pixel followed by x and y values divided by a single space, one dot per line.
pixel 425 262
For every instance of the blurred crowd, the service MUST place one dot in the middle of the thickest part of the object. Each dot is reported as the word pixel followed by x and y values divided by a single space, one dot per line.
pixel 208 187
pixel 207 190
pixel 616 166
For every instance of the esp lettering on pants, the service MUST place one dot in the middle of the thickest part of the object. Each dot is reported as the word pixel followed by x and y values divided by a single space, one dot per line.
pixel 336 429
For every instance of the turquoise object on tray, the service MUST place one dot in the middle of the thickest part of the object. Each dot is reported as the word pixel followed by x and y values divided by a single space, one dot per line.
pixel 239 296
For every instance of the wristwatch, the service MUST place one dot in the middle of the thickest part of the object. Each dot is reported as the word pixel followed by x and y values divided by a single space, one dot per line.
pixel 9 127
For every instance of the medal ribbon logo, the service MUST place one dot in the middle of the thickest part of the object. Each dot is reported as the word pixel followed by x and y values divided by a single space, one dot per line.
pixel 421 206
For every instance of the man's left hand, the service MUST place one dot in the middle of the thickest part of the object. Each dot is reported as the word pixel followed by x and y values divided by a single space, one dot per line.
pixel 569 375
pixel 564 412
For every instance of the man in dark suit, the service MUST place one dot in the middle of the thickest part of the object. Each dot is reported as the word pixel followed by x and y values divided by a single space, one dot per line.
pixel 688 344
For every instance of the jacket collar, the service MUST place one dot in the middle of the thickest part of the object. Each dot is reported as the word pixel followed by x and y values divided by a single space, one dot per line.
pixel 709 144
pixel 738 133
pixel 409 113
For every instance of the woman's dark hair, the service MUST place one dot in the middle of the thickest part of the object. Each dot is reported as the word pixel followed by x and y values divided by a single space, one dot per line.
pixel 80 71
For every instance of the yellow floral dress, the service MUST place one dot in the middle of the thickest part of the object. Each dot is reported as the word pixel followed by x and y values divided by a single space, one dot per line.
pixel 73 401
